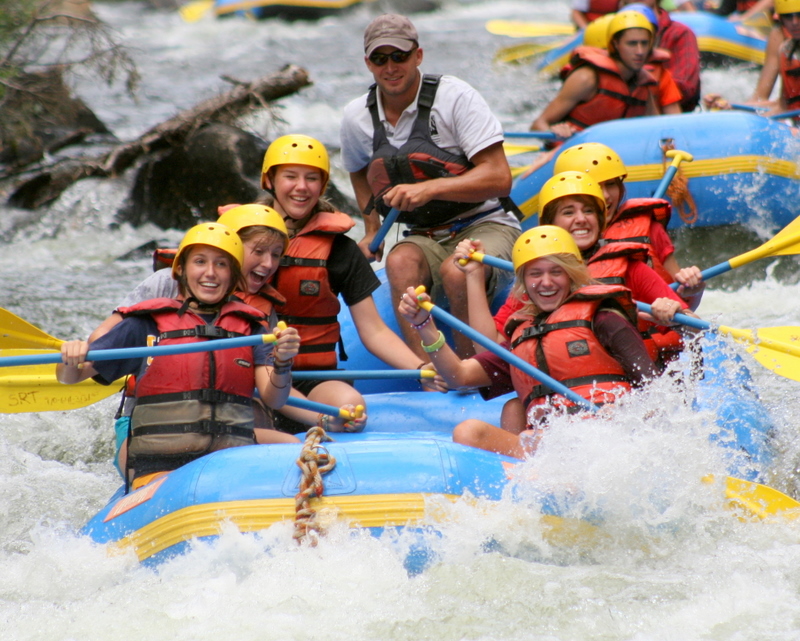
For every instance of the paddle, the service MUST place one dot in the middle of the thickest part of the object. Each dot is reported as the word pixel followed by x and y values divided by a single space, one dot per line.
pixel 761 500
pixel 776 348
pixel 363 374
pixel 322 408
pixel 194 11
pixel 786 114
pixel 514 150
pixel 785 243
pixel 141 352
pixel 20 334
pixel 34 388
pixel 678 157
pixel 512 359
pixel 541 135
pixel 375 245
pixel 520 52
pixel 518 29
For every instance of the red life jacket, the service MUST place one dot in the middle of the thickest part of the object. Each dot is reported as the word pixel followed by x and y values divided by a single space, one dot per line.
pixel 566 348
pixel 609 264
pixel 191 404
pixel 790 73
pixel 744 5
pixel 614 98
pixel 418 159
pixel 264 300
pixel 633 222
pixel 303 280
pixel 599 8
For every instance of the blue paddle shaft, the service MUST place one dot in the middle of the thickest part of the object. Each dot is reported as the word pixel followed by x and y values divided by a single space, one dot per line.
pixel 540 135
pixel 141 352
pixel 683 319
pixel 716 270
pixel 499 263
pixel 356 374
pixel 375 245
pixel 313 406
pixel 510 358
pixel 665 181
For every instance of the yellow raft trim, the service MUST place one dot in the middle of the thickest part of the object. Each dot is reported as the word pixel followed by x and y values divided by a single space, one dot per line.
pixel 377 510
pixel 311 4
pixel 749 164
pixel 709 44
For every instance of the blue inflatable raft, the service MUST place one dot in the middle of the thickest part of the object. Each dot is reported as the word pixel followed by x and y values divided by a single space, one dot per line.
pixel 718 39
pixel 286 9
pixel 745 167
pixel 391 476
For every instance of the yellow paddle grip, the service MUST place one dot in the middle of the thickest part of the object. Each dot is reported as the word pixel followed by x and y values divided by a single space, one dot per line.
pixel 426 305
pixel 472 256
pixel 679 156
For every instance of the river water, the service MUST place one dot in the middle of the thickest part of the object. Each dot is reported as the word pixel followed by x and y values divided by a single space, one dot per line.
pixel 705 576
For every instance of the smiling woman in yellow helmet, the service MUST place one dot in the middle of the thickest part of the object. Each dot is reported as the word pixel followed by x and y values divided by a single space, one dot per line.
pixel 321 264
pixel 578 331
pixel 188 405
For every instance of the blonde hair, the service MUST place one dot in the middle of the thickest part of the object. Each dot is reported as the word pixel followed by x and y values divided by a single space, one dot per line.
pixel 578 276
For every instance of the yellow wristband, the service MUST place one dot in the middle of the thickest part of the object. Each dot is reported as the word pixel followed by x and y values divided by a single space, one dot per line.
pixel 435 346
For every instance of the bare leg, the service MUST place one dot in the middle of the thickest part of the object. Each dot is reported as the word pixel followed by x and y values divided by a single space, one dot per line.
pixel 406 267
pixel 455 288
pixel 512 418
pixel 484 436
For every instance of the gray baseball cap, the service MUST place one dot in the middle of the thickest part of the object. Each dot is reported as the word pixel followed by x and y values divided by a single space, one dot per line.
pixel 390 29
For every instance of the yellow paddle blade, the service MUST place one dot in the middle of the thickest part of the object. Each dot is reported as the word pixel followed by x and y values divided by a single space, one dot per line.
pixel 761 500
pixel 522 52
pixel 517 29
pixel 195 10
pixel 514 150
pixel 785 243
pixel 776 348
pixel 16 333
pixel 34 388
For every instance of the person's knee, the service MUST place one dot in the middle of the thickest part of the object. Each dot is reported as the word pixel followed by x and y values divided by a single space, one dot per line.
pixel 469 432
pixel 405 262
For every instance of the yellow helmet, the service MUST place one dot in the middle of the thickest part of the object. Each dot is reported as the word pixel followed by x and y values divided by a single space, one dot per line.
pixel 594 158
pixel 627 20
pixel 543 240
pixel 787 6
pixel 596 32
pixel 214 235
pixel 237 218
pixel 571 183
pixel 296 149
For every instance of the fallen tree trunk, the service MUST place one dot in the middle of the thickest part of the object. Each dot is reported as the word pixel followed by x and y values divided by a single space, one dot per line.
pixel 48 184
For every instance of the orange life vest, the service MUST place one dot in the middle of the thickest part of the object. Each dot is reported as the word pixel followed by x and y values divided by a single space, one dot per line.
pixel 633 223
pixel 614 97
pixel 565 347
pixel 609 264
pixel 303 280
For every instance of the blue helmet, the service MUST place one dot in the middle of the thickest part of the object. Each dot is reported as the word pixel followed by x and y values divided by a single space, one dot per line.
pixel 646 11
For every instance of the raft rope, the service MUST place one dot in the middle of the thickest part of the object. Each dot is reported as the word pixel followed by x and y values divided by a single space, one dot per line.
pixel 314 461
pixel 678 190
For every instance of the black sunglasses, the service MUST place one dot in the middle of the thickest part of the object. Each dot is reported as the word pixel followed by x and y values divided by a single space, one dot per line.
pixel 380 59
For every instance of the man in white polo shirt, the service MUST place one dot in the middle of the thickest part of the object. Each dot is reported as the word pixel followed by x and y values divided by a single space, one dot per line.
pixel 429 147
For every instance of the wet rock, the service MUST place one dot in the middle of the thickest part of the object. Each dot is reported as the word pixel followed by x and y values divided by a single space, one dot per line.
pixel 217 165
pixel 39 115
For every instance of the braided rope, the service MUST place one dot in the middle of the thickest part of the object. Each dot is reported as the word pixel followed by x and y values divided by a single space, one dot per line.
pixel 678 190
pixel 314 461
